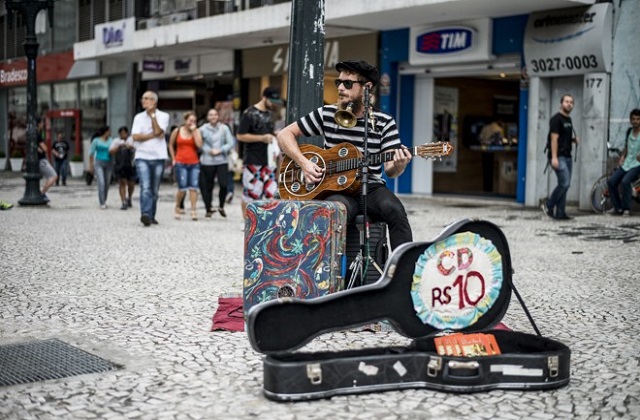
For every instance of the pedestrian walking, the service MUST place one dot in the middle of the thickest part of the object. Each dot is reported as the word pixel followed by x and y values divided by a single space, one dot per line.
pixel 148 132
pixel 60 151
pixel 100 163
pixel 47 171
pixel 217 143
pixel 184 144
pixel 124 169
pixel 559 142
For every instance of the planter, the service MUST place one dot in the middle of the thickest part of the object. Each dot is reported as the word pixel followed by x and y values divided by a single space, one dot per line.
pixel 16 164
pixel 77 169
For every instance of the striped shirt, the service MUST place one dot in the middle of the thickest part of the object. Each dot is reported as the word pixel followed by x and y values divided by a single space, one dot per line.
pixel 382 138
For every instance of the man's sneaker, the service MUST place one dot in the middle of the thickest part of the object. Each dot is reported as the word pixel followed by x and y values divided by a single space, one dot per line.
pixel 625 213
pixel 45 198
pixel 103 207
pixel 222 212
pixel 229 197
pixel 208 214
pixel 613 212
pixel 146 220
pixel 545 210
pixel 154 222
pixel 124 206
pixel 564 217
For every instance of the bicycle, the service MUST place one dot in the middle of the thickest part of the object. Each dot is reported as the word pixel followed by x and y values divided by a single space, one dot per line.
pixel 600 200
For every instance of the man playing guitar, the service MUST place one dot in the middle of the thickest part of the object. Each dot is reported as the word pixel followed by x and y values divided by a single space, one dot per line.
pixel 382 137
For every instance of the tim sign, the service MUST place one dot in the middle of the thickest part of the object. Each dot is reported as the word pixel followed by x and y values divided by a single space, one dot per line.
pixel 463 42
pixel 445 41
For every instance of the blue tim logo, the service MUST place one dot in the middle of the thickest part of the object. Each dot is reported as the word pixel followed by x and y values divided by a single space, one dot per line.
pixel 445 41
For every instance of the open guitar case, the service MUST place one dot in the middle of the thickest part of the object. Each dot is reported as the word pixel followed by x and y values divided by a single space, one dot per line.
pixel 459 282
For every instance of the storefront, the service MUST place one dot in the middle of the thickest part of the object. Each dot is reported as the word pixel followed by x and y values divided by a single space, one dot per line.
pixel 269 65
pixel 460 83
pixel 569 51
pixel 84 101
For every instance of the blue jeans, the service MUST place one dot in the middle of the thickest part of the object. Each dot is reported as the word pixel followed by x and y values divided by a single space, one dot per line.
pixel 61 169
pixel 149 175
pixel 187 176
pixel 558 199
pixel 103 171
pixel 622 179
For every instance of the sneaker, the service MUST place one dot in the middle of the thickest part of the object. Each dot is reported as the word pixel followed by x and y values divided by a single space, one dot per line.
pixel 154 222
pixel 129 203
pixel 625 213
pixel 208 214
pixel 45 198
pixel 222 212
pixel 146 220
pixel 103 207
pixel 613 212
pixel 64 183
pixel 564 217
pixel 124 206
pixel 229 197
pixel 5 206
pixel 545 210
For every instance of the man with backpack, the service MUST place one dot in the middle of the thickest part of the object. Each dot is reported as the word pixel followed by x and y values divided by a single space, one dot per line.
pixel 559 143
pixel 123 151
pixel 628 170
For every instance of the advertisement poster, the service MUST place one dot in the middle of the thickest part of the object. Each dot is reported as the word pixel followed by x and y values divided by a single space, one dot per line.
pixel 445 126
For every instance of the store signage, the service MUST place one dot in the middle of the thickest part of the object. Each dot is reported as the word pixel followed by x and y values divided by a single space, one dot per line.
pixel 51 67
pixel 445 41
pixel 569 41
pixel 156 66
pixel 461 42
pixel 114 36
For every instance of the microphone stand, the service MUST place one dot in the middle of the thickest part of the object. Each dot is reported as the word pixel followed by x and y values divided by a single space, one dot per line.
pixel 364 244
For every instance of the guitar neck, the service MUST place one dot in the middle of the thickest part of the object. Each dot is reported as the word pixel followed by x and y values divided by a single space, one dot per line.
pixel 379 158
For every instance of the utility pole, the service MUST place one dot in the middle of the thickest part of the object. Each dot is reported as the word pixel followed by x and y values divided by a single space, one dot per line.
pixel 305 91
pixel 29 10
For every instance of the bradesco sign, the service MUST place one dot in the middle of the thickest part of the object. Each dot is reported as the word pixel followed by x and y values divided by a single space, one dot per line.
pixel 569 42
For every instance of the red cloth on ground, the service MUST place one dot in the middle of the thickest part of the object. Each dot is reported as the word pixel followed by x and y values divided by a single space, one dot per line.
pixel 229 316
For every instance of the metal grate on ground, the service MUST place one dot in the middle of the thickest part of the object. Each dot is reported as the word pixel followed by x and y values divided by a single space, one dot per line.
pixel 42 360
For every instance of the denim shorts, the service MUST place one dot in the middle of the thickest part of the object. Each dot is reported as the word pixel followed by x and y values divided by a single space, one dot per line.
pixel 187 176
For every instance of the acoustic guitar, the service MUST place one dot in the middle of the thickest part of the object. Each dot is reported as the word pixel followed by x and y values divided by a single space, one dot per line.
pixel 342 169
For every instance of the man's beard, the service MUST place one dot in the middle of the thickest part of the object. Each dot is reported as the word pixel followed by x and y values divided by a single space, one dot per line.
pixel 356 105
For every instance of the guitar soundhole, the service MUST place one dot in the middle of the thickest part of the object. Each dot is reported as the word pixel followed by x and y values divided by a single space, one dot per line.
pixel 343 152
pixel 285 291
pixel 342 180
pixel 295 187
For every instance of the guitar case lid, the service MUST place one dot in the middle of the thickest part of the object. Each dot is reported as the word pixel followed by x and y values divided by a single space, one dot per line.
pixel 459 281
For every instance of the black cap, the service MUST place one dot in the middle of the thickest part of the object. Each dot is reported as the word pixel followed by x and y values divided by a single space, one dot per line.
pixel 272 94
pixel 361 67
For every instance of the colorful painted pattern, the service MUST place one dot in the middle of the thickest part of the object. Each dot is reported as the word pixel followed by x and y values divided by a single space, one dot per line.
pixel 456 281
pixel 293 248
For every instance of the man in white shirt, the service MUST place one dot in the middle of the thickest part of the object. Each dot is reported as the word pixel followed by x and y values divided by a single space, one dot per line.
pixel 148 132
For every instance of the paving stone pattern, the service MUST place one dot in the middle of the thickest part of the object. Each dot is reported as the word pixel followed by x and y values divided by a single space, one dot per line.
pixel 144 297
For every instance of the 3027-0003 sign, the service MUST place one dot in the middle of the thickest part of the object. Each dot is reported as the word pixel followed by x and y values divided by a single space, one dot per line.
pixel 553 64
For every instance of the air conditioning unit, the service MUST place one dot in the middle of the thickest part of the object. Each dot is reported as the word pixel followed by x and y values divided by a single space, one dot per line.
pixel 148 23
pixel 167 7
pixel 174 18
pixel 183 5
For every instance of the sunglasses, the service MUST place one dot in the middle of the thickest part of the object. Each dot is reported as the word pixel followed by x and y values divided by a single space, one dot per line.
pixel 348 84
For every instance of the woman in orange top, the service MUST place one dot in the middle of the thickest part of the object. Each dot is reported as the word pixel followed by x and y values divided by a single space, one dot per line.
pixel 183 147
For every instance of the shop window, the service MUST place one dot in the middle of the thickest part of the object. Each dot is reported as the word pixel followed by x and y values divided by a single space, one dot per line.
pixel 93 102
pixel 17 114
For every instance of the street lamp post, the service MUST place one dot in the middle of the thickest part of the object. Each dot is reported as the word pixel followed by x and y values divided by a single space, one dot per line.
pixel 30 10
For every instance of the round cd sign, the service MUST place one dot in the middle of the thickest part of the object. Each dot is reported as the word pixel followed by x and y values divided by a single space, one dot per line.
pixel 456 281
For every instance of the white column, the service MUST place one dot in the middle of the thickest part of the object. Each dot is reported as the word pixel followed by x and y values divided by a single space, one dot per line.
pixel 422 169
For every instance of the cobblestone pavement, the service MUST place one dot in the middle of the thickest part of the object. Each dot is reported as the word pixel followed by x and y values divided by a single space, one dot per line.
pixel 144 298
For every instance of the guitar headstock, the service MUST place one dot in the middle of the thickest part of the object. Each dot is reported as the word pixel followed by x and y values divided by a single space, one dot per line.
pixel 435 149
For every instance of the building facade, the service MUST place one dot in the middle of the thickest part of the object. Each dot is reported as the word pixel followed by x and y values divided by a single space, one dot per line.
pixel 449 70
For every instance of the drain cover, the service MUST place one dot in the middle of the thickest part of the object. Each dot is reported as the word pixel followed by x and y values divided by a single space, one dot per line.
pixel 46 359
